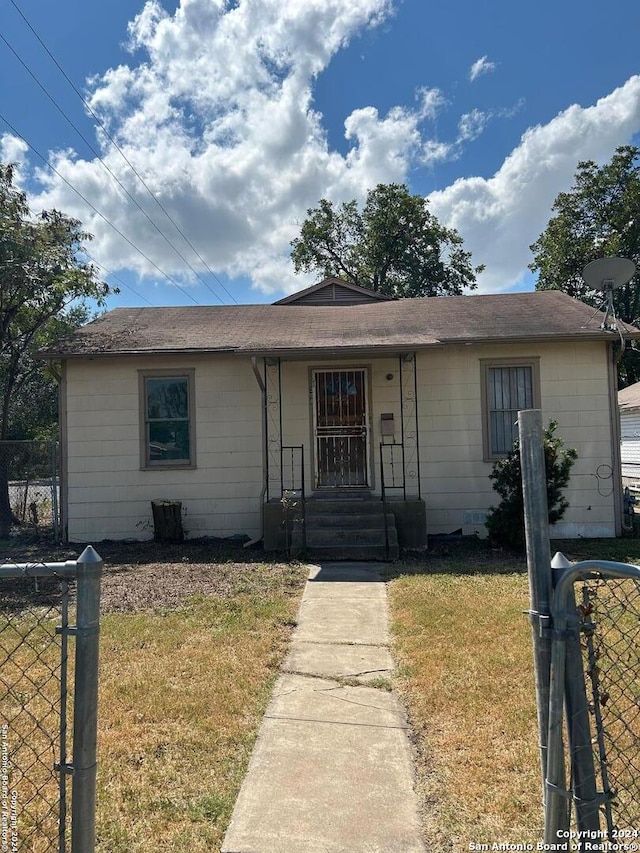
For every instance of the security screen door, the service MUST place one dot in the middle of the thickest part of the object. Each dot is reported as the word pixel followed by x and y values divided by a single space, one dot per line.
pixel 340 423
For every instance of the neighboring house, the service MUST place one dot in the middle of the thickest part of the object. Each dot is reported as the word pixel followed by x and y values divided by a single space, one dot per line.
pixel 629 405
pixel 339 393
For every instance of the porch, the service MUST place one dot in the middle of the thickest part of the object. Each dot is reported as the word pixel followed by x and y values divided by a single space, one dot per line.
pixel 342 457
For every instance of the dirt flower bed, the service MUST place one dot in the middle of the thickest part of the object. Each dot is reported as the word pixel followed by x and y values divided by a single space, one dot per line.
pixel 147 576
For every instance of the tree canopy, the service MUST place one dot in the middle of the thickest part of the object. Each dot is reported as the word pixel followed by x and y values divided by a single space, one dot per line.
pixel 44 288
pixel 394 245
pixel 598 217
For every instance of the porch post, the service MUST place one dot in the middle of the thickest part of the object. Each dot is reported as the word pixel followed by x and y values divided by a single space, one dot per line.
pixel 273 426
pixel 409 424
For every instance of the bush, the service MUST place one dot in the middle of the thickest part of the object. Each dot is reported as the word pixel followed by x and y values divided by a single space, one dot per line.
pixel 505 523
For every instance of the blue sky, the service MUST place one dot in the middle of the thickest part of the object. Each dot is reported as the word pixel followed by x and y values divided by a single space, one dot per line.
pixel 241 115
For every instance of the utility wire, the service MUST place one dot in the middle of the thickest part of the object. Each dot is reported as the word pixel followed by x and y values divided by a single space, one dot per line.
pixel 120 151
pixel 110 274
pixel 108 169
pixel 95 210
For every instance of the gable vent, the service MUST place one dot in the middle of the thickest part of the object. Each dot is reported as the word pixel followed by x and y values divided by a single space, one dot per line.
pixel 335 294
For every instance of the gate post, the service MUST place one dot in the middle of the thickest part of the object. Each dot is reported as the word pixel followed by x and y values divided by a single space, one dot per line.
pixel 536 523
pixel 577 710
pixel 85 713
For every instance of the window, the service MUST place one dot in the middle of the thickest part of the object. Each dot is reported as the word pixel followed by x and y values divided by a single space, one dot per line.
pixel 507 387
pixel 167 419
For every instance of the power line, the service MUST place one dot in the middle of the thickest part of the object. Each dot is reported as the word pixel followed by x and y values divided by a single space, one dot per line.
pixel 111 274
pixel 124 156
pixel 95 210
pixel 108 169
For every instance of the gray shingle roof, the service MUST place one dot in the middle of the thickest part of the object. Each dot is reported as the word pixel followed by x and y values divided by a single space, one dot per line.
pixel 629 398
pixel 282 329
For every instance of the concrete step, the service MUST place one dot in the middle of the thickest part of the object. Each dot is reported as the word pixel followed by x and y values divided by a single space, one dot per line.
pixel 354 552
pixel 340 507
pixel 352 521
pixel 319 538
pixel 350 527
pixel 354 494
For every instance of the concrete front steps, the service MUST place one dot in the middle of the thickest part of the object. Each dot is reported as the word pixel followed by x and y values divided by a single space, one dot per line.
pixel 350 528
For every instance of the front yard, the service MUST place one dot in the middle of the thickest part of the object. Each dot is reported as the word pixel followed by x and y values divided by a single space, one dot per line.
pixel 465 671
pixel 191 640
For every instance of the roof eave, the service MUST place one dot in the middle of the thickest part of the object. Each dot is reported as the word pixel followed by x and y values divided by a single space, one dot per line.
pixel 395 346
pixel 56 356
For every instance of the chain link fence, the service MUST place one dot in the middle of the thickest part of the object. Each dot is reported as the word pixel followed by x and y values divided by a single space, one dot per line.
pixel 585 620
pixel 48 700
pixel 33 702
pixel 610 625
pixel 592 767
pixel 29 488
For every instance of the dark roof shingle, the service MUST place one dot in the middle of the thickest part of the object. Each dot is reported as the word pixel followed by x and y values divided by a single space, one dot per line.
pixel 278 329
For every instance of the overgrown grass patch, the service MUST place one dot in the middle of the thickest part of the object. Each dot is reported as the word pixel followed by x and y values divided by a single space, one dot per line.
pixel 182 694
pixel 464 649
pixel 191 641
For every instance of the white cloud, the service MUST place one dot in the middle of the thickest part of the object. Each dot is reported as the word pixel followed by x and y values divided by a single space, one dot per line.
pixel 218 116
pixel 431 101
pixel 481 66
pixel 471 125
pixel 384 147
pixel 219 120
pixel 14 150
pixel 501 216
pixel 434 151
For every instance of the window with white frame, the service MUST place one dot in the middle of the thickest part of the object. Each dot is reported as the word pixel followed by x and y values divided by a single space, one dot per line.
pixel 167 419
pixel 507 386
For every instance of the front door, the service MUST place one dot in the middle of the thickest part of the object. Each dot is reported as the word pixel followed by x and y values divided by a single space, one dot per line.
pixel 340 425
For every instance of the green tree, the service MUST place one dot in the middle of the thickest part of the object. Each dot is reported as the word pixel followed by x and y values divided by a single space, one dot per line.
pixel 598 217
pixel 44 285
pixel 505 523
pixel 32 407
pixel 394 245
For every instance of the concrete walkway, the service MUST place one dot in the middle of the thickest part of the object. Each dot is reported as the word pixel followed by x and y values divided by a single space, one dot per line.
pixel 332 767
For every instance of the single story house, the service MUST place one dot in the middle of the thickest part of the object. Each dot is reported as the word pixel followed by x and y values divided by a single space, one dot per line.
pixel 629 405
pixel 355 404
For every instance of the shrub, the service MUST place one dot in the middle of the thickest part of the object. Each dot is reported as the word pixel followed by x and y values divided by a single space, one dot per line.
pixel 505 523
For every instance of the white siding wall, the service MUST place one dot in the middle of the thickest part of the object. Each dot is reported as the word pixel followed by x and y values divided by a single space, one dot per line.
pixel 109 495
pixel 630 444
pixel 455 483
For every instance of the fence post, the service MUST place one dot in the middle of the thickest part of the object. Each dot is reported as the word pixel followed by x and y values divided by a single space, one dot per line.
pixel 85 713
pixel 54 491
pixel 577 708
pixel 536 523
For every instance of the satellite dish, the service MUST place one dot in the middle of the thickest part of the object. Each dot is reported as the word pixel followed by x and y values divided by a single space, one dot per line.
pixel 607 275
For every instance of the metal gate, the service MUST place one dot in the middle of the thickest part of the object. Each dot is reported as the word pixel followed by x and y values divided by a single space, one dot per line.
pixel 340 428
pixel 36 685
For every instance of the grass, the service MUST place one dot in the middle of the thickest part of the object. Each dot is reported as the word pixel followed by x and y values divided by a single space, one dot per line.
pixel 182 694
pixel 464 650
pixel 184 682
